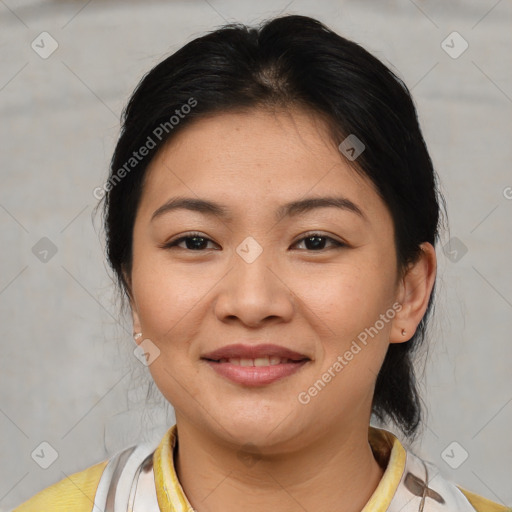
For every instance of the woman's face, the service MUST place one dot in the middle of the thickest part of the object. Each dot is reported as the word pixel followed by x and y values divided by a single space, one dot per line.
pixel 254 277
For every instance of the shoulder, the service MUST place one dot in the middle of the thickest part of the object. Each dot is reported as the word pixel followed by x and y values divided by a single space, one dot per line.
pixel 411 483
pixel 75 492
pixel 481 504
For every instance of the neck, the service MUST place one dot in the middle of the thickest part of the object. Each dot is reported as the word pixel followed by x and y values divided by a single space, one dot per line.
pixel 216 477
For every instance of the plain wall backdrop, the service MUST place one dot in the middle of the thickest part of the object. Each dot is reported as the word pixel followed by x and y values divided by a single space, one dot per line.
pixel 68 374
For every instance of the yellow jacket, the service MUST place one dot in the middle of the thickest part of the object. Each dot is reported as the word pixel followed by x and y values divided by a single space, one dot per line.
pixel 402 482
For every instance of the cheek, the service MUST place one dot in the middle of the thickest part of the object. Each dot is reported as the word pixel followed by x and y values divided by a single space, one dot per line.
pixel 170 311
pixel 348 296
pixel 349 301
pixel 166 292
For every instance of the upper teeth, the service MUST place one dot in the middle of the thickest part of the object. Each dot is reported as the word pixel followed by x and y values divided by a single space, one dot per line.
pixel 259 361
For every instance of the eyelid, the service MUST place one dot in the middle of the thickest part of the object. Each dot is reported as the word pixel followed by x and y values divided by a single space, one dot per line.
pixel 337 243
pixel 193 234
pixel 173 242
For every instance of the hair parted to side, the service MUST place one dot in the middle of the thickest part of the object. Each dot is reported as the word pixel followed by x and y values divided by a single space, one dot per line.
pixel 291 61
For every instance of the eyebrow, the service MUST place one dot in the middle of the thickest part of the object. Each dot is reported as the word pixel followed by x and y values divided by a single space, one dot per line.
pixel 294 208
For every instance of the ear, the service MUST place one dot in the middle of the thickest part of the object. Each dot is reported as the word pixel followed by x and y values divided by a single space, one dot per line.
pixel 136 323
pixel 133 306
pixel 413 294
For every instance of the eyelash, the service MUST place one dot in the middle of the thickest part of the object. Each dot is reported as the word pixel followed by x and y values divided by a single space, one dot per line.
pixel 194 234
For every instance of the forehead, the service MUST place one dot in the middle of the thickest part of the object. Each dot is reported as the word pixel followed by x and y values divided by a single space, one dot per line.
pixel 254 161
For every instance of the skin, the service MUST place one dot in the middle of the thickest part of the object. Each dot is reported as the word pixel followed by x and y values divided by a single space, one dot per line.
pixel 189 302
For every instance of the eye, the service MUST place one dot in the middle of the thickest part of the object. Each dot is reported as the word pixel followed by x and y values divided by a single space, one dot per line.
pixel 317 241
pixel 197 242
pixel 193 242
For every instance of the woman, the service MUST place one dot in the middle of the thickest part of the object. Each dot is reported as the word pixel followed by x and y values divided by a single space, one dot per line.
pixel 271 215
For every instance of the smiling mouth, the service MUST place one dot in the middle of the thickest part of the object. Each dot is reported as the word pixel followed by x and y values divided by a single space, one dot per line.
pixel 259 361
pixel 260 371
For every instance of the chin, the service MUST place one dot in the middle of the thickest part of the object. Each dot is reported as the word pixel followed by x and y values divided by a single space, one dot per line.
pixel 270 430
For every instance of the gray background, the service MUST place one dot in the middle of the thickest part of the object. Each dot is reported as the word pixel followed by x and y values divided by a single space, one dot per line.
pixel 68 374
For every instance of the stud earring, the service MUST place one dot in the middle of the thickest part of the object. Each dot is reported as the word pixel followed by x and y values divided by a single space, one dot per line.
pixel 403 332
pixel 137 335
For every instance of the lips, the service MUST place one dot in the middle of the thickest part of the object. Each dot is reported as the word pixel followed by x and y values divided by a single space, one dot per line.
pixel 255 365
pixel 250 376
pixel 253 352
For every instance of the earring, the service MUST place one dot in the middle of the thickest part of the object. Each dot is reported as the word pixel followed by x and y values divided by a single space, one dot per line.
pixel 403 332
pixel 137 335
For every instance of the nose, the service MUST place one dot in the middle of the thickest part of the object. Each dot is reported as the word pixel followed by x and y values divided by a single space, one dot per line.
pixel 254 293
